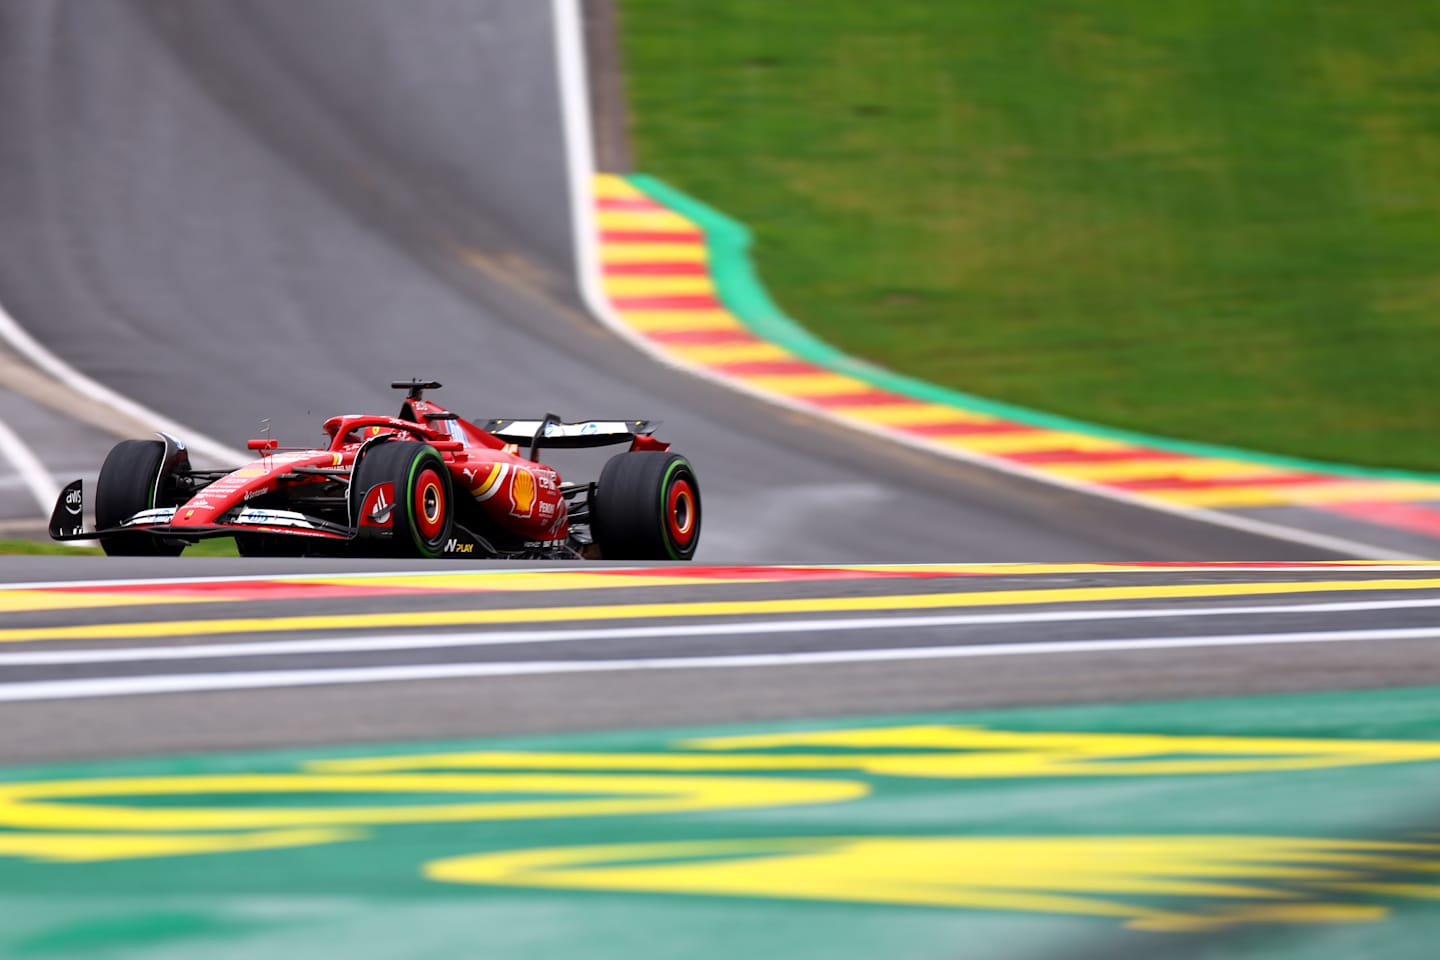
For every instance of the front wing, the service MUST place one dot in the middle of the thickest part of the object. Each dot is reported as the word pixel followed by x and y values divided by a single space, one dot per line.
pixel 67 522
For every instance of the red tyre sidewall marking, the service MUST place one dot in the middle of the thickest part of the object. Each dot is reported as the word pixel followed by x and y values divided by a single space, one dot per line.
pixel 429 525
pixel 680 490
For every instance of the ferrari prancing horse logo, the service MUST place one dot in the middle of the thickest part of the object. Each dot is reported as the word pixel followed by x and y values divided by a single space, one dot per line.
pixel 522 493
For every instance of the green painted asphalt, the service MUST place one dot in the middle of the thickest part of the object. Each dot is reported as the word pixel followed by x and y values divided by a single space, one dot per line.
pixel 1282 826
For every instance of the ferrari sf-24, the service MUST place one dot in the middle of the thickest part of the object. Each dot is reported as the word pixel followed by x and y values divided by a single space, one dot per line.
pixel 426 483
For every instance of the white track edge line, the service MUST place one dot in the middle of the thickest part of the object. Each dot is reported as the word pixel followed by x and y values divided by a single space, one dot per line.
pixel 195 683
pixel 37 479
pixel 581 164
pixel 35 352
pixel 36 476
pixel 431 641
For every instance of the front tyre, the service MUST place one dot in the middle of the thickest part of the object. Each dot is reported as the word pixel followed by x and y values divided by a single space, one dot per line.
pixel 423 515
pixel 128 482
pixel 647 507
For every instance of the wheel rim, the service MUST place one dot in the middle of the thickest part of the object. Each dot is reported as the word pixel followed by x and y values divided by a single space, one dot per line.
pixel 429 505
pixel 681 512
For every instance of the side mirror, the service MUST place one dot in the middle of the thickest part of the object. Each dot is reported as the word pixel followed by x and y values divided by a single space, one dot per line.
pixel 263 443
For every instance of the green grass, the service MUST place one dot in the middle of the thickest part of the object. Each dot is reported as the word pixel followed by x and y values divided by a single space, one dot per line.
pixel 1216 220
pixel 27 547
pixel 218 547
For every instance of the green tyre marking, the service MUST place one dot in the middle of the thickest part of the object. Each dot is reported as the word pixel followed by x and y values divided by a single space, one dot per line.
pixel 415 464
pixel 665 506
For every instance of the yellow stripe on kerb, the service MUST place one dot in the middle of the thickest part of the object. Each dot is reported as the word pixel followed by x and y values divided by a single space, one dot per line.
pixel 627 286
pixel 688 252
pixel 653 321
pixel 611 186
pixel 661 219
pixel 717 354
pixel 658 611
pixel 1028 441
pixel 1150 468
pixel 808 384
pixel 1309 493
pixel 902 414
pixel 1365 490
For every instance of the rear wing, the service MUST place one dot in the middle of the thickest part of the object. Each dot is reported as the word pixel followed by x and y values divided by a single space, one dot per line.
pixel 561 435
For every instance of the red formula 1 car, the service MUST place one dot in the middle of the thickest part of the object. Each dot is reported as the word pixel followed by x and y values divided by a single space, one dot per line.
pixel 424 484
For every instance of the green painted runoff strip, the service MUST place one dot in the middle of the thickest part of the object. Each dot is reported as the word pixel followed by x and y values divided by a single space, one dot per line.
pixel 728 243
pixel 1291 826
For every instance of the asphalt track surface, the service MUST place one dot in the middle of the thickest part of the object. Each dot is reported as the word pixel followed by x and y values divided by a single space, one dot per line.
pixel 264 210
pixel 362 652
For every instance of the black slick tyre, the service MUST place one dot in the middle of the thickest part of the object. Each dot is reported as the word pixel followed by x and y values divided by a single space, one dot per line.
pixel 423 515
pixel 647 507
pixel 128 481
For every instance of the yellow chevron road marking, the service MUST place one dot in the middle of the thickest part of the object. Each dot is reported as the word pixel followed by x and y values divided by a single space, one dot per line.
pixel 1198 883
pixel 651 611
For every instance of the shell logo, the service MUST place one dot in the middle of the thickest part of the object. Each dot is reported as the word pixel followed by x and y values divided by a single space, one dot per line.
pixel 522 493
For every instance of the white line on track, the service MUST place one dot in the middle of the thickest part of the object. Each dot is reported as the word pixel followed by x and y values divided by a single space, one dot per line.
pixel 271 679
pixel 32 350
pixel 37 479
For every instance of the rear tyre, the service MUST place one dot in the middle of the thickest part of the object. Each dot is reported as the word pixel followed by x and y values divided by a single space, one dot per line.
pixel 423 516
pixel 128 480
pixel 647 507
